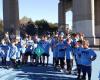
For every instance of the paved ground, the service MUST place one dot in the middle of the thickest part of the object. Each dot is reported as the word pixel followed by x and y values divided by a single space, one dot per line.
pixel 35 73
pixel 44 73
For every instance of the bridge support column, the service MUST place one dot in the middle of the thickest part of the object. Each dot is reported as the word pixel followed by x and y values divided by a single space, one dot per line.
pixel 97 18
pixel 10 15
pixel 61 16
pixel 83 18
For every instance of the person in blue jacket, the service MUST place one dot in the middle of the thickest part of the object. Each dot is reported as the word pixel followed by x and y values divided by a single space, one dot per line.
pixel 69 55
pixel 61 52
pixel 29 48
pixel 18 55
pixel 88 55
pixel 45 45
pixel 77 54
pixel 5 52
pixel 13 53
pixel 54 50
pixel 23 49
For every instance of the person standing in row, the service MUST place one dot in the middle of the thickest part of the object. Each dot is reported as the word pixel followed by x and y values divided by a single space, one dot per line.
pixel 45 45
pixel 61 52
pixel 54 49
pixel 88 55
pixel 69 55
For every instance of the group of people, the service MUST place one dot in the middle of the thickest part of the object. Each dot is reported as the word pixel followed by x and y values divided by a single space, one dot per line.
pixel 73 47
pixel 65 48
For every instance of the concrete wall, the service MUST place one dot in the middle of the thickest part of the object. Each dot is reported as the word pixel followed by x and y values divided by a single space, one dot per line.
pixel 83 18
pixel 97 18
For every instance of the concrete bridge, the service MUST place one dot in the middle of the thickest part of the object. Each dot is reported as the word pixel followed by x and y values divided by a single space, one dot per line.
pixel 86 17
pixel 10 15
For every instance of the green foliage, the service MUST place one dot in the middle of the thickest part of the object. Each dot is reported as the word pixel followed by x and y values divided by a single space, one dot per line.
pixel 25 20
pixel 53 27
pixel 30 28
pixel 1 25
pixel 44 26
pixel 39 27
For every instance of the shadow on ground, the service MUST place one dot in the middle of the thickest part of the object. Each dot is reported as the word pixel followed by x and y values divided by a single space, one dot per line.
pixel 42 73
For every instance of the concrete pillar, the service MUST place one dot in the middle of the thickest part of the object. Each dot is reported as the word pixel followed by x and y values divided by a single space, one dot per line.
pixel 97 18
pixel 83 18
pixel 61 16
pixel 10 15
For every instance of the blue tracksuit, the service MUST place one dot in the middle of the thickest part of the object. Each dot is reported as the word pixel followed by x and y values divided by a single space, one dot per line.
pixel 54 48
pixel 18 55
pixel 29 49
pixel 69 54
pixel 45 46
pixel 1 52
pixel 77 54
pixel 13 52
pixel 86 56
pixel 61 49
pixel 5 50
pixel 23 49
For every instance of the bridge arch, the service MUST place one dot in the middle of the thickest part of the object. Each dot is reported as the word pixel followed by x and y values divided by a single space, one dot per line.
pixel 86 17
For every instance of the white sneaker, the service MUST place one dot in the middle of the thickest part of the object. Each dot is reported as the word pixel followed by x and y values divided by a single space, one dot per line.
pixel 61 70
pixel 64 70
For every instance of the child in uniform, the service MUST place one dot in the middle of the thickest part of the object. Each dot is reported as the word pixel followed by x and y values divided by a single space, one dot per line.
pixel 61 52
pixel 77 54
pixel 46 47
pixel 5 48
pixel 88 55
pixel 13 53
pixel 69 55
pixel 54 50
pixel 23 49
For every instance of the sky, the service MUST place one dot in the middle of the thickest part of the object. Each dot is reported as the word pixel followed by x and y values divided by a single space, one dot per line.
pixel 39 9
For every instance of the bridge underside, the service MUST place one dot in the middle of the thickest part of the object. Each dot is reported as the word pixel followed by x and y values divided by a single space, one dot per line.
pixel 86 17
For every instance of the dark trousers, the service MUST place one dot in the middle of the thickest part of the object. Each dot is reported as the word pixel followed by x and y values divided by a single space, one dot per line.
pixel 61 59
pixel 88 70
pixel 35 59
pixel 13 61
pixel 47 56
pixel 3 60
pixel 69 64
pixel 79 69
pixel 55 61
pixel 28 53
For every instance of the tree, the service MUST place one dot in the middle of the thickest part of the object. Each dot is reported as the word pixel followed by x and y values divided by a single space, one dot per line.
pixel 25 20
pixel 30 28
pixel 1 25
pixel 38 27
pixel 43 26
